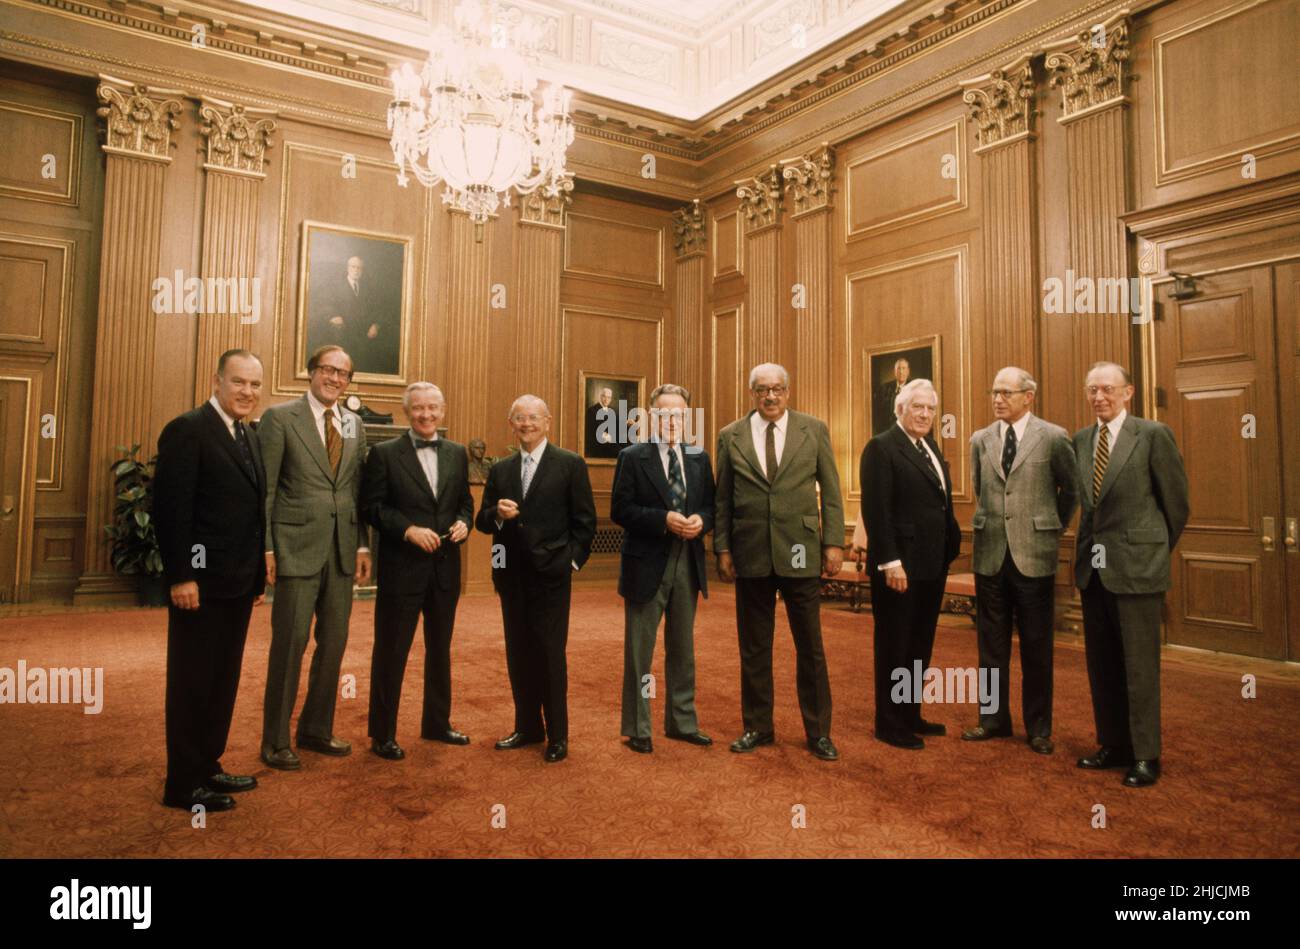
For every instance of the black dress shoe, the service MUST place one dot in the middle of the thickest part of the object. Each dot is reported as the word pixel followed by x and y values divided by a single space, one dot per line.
pixel 558 751
pixel 984 733
pixel 517 740
pixel 450 737
pixel 910 742
pixel 282 758
pixel 751 740
pixel 642 745
pixel 1042 744
pixel 1107 757
pixel 210 800
pixel 388 749
pixel 930 729
pixel 695 738
pixel 231 783
pixel 823 749
pixel 335 747
pixel 1143 774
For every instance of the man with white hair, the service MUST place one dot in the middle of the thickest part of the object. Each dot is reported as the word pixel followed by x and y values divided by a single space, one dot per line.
pixel 778 523
pixel 415 493
pixel 912 538
pixel 538 507
pixel 1025 493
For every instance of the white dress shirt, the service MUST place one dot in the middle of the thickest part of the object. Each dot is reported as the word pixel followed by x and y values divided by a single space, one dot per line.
pixel 230 422
pixel 758 428
pixel 1114 425
pixel 428 459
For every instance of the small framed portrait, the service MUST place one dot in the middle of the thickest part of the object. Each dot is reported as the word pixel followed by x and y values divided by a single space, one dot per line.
pixel 611 414
pixel 890 367
pixel 353 292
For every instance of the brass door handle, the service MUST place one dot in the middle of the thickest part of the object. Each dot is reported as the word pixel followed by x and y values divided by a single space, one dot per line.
pixel 1292 530
pixel 1267 527
pixel 8 506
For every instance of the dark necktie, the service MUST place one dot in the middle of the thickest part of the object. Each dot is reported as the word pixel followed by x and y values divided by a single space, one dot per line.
pixel 771 452
pixel 245 453
pixel 1009 451
pixel 421 443
pixel 676 485
pixel 1100 462
pixel 333 443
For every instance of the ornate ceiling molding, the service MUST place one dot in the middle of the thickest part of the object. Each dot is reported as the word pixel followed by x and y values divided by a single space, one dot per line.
pixel 136 123
pixel 1089 68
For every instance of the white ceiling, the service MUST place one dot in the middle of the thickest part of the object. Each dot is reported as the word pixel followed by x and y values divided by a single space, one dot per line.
pixel 684 58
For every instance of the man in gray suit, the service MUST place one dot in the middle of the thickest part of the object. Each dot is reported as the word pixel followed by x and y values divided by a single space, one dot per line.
pixel 312 448
pixel 1134 491
pixel 1025 489
pixel 769 539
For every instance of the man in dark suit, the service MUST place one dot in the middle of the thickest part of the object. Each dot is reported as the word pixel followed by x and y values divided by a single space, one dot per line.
pixel 314 554
pixel 663 500
pixel 351 318
pixel 538 507
pixel 886 393
pixel 1134 508
pixel 1025 491
pixel 912 538
pixel 415 492
pixel 776 475
pixel 604 440
pixel 209 491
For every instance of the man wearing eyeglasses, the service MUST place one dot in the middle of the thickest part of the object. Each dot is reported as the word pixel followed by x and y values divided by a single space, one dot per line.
pixel 538 507
pixel 772 533
pixel 1025 491
pixel 1134 507
pixel 313 450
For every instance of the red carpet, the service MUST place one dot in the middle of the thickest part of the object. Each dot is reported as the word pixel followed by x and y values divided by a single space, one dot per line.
pixel 90 785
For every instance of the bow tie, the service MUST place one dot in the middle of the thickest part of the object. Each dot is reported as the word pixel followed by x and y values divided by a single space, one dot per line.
pixel 421 443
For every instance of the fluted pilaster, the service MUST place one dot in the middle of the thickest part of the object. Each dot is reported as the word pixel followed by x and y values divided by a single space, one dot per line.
pixel 809 181
pixel 538 266
pixel 462 353
pixel 690 290
pixel 760 209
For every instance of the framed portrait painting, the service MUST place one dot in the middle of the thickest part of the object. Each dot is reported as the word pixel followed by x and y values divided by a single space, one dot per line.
pixel 889 367
pixel 610 416
pixel 353 291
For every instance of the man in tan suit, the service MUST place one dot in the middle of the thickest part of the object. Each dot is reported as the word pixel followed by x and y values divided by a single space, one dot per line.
pixel 312 448
pixel 769 537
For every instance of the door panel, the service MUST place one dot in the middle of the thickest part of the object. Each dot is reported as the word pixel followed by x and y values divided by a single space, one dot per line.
pixel 1287 283
pixel 1218 366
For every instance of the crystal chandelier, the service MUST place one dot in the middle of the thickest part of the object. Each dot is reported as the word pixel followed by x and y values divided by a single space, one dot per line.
pixel 468 118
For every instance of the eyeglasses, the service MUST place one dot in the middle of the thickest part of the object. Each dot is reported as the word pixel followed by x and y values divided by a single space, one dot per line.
pixel 1104 390
pixel 1005 393
pixel 761 391
pixel 521 419
pixel 333 372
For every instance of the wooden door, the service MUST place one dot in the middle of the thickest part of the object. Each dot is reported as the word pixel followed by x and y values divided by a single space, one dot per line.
pixel 13 436
pixel 1218 368
pixel 1286 282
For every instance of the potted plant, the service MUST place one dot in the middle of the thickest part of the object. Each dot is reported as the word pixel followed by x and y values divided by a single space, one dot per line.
pixel 135 544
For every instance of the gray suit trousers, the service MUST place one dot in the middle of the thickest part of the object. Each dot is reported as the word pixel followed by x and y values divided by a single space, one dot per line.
pixel 328 596
pixel 675 600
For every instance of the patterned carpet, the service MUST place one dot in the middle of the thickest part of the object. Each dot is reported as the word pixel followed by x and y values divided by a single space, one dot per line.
pixel 89 785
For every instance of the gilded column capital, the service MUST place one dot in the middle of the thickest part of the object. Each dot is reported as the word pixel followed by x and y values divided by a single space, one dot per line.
pixel 688 229
pixel 810 179
pixel 1002 104
pixel 136 122
pixel 760 199
pixel 238 137
pixel 548 204
pixel 1089 68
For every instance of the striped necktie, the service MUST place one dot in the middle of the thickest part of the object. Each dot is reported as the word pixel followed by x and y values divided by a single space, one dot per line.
pixel 529 469
pixel 676 484
pixel 1100 462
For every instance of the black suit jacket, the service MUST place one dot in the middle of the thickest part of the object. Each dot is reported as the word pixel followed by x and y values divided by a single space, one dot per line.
pixel 556 522
pixel 640 505
pixel 395 495
pixel 908 515
pixel 204 494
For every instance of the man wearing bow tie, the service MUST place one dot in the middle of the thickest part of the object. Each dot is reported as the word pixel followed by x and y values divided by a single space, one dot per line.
pixel 538 507
pixel 415 492
pixel 912 538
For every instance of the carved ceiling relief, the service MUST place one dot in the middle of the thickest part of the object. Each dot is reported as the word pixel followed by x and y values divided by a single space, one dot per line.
pixel 688 229
pixel 1089 69
pixel 1002 103
pixel 134 121
pixel 238 137
pixel 789 26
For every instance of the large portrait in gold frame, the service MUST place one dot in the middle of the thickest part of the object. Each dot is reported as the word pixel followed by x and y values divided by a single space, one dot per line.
pixel 610 414
pixel 889 366
pixel 353 291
